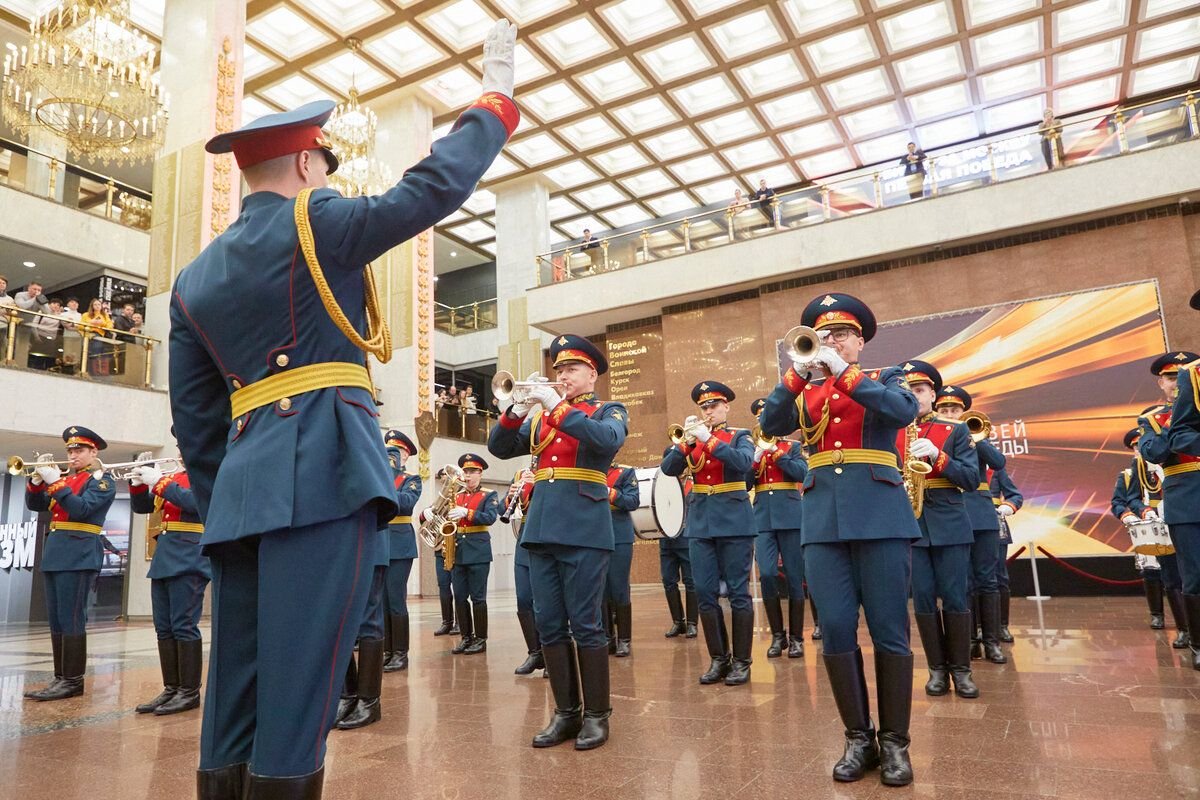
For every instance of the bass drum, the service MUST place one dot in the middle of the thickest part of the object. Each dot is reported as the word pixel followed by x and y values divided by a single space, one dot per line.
pixel 662 510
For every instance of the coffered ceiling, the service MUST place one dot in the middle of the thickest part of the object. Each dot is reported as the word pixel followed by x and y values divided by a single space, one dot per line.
pixel 637 109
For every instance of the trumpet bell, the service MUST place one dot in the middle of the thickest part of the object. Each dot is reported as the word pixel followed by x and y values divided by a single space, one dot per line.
pixel 19 467
pixel 761 440
pixel 16 465
pixel 802 343
pixel 503 384
pixel 978 425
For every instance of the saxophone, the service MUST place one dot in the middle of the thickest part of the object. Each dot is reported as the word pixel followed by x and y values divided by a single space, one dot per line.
pixel 914 472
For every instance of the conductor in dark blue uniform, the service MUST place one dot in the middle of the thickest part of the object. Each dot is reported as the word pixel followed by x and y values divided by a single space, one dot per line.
pixel 402 546
pixel 858 525
pixel 941 558
pixel 476 511
pixel 623 497
pixel 569 531
pixel 779 470
pixel 953 402
pixel 721 527
pixel 78 502
pixel 179 574
pixel 276 421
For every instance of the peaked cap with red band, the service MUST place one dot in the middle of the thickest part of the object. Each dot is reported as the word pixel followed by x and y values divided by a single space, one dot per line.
pixel 276 135
pixel 837 308
pixel 79 436
pixel 1169 363
pixel 472 461
pixel 917 371
pixel 397 438
pixel 570 348
pixel 953 395
pixel 706 391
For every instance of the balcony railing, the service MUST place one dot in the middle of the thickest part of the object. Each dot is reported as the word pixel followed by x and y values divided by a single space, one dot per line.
pixel 84 189
pixel 73 348
pixel 1080 141
pixel 461 422
pixel 467 318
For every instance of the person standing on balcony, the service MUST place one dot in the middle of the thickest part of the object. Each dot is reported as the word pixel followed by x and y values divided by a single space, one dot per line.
pixel 97 322
pixel 44 336
pixel 764 196
pixel 1051 132
pixel 914 171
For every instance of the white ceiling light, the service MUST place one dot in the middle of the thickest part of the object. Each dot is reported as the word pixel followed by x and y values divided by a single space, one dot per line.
pixel 481 202
pixel 347 70
pixel 716 192
pixel 620 159
pixel 649 182
pixel 884 148
pixel 1012 80
pixel 588 133
pixel 600 196
pixel 731 127
pixel 624 216
pixel 473 231
pixel 501 166
pixel 873 120
pixel 770 74
pixel 792 108
pixel 537 149
pixel 940 101
pixel 1165 75
pixel 460 25
pixel 745 34
pixel 403 49
pixel 980 12
pixel 697 169
pixel 645 115
pixel 347 16
pixel 673 143
pixel 807 16
pixel 523 12
pixel 811 138
pixel 752 154
pixel 778 175
pixel 576 227
pixel 255 62
pixel 1010 115
pixel 1008 43
pixel 553 101
pixel 862 87
pixel 947 131
pixel 455 87
pixel 1086 95
pixel 705 95
pixel 30 264
pixel 930 66
pixel 573 173
pixel 917 26
pixel 573 42
pixel 672 203
pixel 702 8
pixel 612 81
pixel 286 32
pixel 1099 57
pixel 1158 8
pixel 253 108
pixel 823 164
pixel 840 51
pixel 637 19
pixel 1183 33
pixel 1088 19
pixel 293 92
pixel 676 59
pixel 560 206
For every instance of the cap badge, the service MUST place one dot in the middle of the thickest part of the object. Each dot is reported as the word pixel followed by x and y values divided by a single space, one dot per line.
pixel 829 300
pixel 562 342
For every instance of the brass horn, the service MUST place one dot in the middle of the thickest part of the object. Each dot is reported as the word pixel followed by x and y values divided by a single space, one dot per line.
pixel 978 425
pixel 18 466
pixel 505 387
pixel 760 439
pixel 802 343
pixel 685 433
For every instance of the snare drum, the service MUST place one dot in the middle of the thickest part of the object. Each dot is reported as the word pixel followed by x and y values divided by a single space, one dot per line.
pixel 661 511
pixel 1150 537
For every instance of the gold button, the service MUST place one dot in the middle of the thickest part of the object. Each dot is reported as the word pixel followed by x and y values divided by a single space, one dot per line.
pixel 237 384
pixel 837 396
pixel 281 359
pixel 837 470
pixel 837 444
pixel 285 404
pixel 837 419
pixel 837 457
pixel 554 458
pixel 239 424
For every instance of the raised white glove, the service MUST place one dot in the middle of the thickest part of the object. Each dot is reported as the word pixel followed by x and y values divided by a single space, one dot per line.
pixel 923 448
pixel 703 434
pixel 456 513
pixel 1004 510
pixel 49 474
pixel 1129 519
pixel 546 396
pixel 499 58
pixel 830 358
pixel 1150 514
pixel 149 475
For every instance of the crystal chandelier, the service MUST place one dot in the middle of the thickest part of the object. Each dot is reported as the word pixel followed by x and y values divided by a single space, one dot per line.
pixel 86 77
pixel 351 133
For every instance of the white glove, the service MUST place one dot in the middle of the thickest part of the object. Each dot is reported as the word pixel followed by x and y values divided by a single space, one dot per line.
pixel 1156 469
pixel 1004 510
pixel 49 474
pixel 456 513
pixel 499 58
pixel 527 476
pixel 758 454
pixel 149 475
pixel 1150 514
pixel 1129 519
pixel 703 434
pixel 923 448
pixel 519 410
pixel 830 358
pixel 771 448
pixel 134 480
pixel 426 515
pixel 546 396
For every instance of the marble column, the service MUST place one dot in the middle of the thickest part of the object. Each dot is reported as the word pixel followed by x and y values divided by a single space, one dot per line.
pixel 522 232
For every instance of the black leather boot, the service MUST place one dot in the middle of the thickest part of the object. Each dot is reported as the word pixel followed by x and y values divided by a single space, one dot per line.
pixel 1005 602
pixel 397 660
pixel 692 613
pixel 74 658
pixel 190 653
pixel 479 613
pixel 610 628
pixel 989 606
pixel 958 653
pixel 773 607
pixel 624 634
pixel 564 685
pixel 532 644
pixel 796 628
pixel 1191 605
pixel 1154 600
pixel 349 691
pixel 366 708
pixel 893 679
pixel 447 616
pixel 816 631
pixel 850 692
pixel 1182 627
pixel 593 677
pixel 168 663
pixel 743 640
pixel 929 626
pixel 717 648
pixel 305 787
pixel 462 611
pixel 675 605
pixel 56 649
pixel 976 633
pixel 222 783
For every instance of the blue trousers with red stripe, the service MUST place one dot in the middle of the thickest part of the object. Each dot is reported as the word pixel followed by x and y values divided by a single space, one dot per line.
pixel 177 602
pixel 67 598
pixel 285 612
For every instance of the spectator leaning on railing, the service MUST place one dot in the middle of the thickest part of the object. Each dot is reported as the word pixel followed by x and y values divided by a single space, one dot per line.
pixel 96 322
pixel 124 322
pixel 44 336
pixel 32 298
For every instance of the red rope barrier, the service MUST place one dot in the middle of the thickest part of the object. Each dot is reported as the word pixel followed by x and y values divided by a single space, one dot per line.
pixel 1015 555
pixel 1088 575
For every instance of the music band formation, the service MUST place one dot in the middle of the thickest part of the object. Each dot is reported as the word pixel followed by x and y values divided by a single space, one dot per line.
pixel 891 490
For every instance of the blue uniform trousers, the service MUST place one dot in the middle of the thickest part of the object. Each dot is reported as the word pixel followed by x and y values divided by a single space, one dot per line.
pixel 372 621
pixel 873 573
pixel 1186 536
pixel 470 581
pixel 616 590
pixel 1001 564
pixel 67 600
pixel 674 566
pixel 1167 574
pixel 286 608
pixel 728 559
pixel 176 603
pixel 983 562
pixel 940 573
pixel 768 547
pixel 398 570
pixel 568 588
pixel 444 581
pixel 524 587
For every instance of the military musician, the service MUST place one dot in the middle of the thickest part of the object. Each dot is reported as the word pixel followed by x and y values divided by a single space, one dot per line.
pixel 569 531
pixel 78 501
pixel 675 566
pixel 475 512
pixel 721 527
pixel 623 497
pixel 779 468
pixel 858 525
pixel 1008 501
pixel 402 549
pixel 520 491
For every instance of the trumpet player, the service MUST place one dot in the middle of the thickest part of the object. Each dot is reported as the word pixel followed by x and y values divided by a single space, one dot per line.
pixel 569 531
pixel 623 497
pixel 402 549
pixel 720 527
pixel 858 524
pixel 521 491
pixel 779 470
pixel 179 574
pixel 941 558
pixel 953 402
pixel 78 502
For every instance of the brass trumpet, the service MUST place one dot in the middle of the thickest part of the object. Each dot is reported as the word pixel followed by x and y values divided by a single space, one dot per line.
pixel 18 466
pixel 505 387
pixel 978 425
pixel 128 469
pixel 802 343
pixel 685 433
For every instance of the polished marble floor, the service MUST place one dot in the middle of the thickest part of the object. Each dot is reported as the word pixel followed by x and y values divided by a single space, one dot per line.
pixel 1093 705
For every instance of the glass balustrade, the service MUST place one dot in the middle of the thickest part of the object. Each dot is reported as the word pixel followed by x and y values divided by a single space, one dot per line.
pixel 48 343
pixel 467 318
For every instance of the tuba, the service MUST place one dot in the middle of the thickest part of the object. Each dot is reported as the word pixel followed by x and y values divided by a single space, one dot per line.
pixel 978 425
pixel 439 530
pixel 914 472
